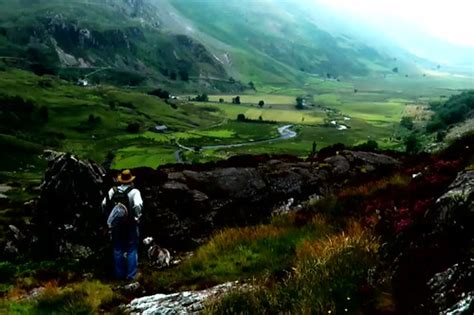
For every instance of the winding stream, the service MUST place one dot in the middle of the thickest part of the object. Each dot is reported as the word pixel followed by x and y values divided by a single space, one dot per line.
pixel 284 132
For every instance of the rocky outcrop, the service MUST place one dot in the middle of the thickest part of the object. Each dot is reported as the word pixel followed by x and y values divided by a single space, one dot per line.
pixel 456 206
pixel 67 218
pixel 187 302
pixel 433 274
pixel 193 201
pixel 183 203
pixel 452 291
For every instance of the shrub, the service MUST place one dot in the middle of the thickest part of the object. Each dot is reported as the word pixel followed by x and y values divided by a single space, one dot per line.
pixel 7 271
pixel 407 122
pixel 299 102
pixel 241 117
pixel 133 127
pixel 456 109
pixel 184 75
pixel 160 93
pixel 43 113
pixel 440 135
pixel 370 145
pixel 94 120
pixel 236 100
pixel 202 98
pixel 412 144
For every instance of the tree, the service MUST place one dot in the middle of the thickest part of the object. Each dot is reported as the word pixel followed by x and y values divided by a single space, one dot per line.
pixel 221 100
pixel 440 135
pixel 299 102
pixel 261 103
pixel 395 70
pixel 370 145
pixel 42 60
pixel 241 117
pixel 412 144
pixel 43 113
pixel 202 98
pixel 407 122
pixel 236 100
pixel 184 75
pixel 93 120
pixel 252 85
pixel 160 93
pixel 173 76
pixel 133 127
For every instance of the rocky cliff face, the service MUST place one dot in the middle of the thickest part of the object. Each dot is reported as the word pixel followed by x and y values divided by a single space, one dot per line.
pixel 184 204
pixel 127 37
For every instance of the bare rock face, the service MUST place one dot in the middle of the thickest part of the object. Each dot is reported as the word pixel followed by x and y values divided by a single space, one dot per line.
pixel 187 302
pixel 452 291
pixel 456 206
pixel 434 274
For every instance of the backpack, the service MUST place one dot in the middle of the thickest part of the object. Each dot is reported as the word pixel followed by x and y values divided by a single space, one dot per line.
pixel 120 203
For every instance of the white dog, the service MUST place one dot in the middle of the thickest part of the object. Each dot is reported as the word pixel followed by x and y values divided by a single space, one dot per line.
pixel 157 255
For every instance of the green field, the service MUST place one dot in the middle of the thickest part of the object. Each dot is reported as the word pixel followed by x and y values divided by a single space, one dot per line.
pixel 269 99
pixel 284 114
pixel 373 112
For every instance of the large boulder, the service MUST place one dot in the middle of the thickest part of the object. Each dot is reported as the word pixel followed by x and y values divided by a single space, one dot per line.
pixel 186 302
pixel 452 291
pixel 67 220
pixel 433 272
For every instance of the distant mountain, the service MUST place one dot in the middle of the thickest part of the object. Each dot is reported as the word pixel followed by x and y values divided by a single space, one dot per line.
pixel 131 42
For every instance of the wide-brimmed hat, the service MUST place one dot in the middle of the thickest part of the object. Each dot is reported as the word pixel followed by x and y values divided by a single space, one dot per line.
pixel 125 177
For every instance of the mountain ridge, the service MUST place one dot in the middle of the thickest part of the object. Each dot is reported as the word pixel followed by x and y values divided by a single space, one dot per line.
pixel 175 42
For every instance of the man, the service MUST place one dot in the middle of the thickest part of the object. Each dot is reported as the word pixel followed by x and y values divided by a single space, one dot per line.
pixel 124 205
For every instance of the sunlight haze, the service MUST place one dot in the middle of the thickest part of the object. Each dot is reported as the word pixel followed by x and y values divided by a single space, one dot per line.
pixel 447 20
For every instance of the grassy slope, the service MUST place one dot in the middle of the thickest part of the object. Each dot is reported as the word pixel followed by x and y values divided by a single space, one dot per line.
pixel 69 109
pixel 279 46
pixel 124 38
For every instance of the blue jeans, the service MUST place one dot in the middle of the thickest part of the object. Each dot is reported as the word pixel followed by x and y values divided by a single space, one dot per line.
pixel 125 241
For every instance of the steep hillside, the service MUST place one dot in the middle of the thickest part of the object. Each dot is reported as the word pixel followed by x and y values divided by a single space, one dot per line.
pixel 284 39
pixel 120 41
pixel 179 43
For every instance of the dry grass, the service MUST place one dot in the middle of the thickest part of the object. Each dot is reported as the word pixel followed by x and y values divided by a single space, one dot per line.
pixel 321 251
pixel 372 187
pixel 326 277
pixel 230 237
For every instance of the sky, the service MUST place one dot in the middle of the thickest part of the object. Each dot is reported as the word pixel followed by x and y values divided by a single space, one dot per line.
pixel 450 20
